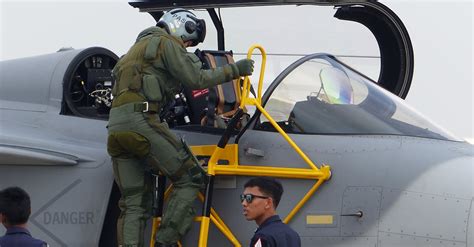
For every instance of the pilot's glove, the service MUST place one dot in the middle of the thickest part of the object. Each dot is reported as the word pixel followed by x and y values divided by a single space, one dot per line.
pixel 245 67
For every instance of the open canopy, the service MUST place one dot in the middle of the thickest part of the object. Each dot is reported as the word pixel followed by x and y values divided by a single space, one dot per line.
pixel 154 5
pixel 396 51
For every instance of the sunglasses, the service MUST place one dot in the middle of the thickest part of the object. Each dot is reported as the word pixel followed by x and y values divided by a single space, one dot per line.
pixel 249 197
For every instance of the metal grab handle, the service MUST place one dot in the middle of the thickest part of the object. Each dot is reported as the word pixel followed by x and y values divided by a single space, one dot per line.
pixel 246 86
pixel 358 214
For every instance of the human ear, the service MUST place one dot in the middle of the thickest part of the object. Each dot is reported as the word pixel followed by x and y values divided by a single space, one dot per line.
pixel 268 203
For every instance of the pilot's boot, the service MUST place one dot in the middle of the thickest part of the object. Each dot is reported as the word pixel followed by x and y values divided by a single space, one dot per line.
pixel 165 245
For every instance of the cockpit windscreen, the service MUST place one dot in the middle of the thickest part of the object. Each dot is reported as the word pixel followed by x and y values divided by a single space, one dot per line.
pixel 320 95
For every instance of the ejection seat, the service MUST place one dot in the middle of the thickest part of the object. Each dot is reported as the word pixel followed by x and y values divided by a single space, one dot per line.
pixel 215 106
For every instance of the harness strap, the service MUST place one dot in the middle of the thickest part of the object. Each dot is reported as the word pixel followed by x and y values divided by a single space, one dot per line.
pixel 235 82
pixel 151 107
pixel 211 107
pixel 147 107
pixel 191 166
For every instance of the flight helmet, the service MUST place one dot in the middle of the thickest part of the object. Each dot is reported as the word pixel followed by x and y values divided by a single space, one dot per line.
pixel 183 24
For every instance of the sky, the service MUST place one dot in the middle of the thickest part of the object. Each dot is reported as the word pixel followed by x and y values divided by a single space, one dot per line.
pixel 441 33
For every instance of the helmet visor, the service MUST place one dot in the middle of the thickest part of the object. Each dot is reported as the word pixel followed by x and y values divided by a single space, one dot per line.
pixel 200 30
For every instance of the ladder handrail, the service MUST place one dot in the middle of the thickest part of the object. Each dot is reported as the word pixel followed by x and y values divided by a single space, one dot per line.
pixel 257 102
pixel 222 150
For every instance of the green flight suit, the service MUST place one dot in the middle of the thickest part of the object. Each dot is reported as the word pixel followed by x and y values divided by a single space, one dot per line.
pixel 153 71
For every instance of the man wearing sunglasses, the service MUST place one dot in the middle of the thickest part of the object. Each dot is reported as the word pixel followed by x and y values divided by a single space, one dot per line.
pixel 259 201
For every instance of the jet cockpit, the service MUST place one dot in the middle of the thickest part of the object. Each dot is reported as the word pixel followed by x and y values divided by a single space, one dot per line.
pixel 319 94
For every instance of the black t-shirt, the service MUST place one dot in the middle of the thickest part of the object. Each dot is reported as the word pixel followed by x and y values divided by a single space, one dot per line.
pixel 18 236
pixel 274 233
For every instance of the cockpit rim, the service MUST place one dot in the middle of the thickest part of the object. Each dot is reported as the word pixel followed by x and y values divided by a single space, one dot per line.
pixel 254 121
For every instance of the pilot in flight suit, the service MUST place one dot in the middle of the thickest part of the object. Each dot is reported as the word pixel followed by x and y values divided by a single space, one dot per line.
pixel 147 77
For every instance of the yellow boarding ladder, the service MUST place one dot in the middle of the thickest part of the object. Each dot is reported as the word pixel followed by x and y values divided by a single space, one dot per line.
pixel 222 151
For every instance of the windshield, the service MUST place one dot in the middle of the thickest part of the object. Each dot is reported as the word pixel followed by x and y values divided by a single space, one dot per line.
pixel 320 95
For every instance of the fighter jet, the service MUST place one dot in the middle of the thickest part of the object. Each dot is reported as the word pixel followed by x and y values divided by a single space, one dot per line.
pixel 359 166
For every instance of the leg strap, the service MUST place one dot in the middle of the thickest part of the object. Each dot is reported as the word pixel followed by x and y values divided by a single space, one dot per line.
pixel 191 167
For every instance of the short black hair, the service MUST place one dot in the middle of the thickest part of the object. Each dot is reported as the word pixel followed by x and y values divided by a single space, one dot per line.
pixel 15 205
pixel 268 186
